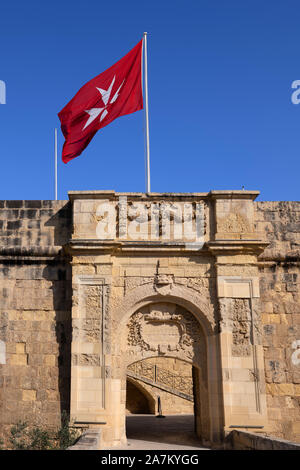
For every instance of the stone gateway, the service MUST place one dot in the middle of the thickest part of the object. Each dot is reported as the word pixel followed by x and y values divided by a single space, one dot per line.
pixel 110 300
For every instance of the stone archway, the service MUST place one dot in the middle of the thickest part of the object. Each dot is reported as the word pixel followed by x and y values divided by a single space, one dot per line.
pixel 203 314
pixel 138 399
pixel 166 329
pixel 99 368
pixel 169 382
pixel 217 283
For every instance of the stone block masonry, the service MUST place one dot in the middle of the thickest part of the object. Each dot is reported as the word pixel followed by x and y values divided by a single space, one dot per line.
pixel 35 306
pixel 77 310
pixel 280 313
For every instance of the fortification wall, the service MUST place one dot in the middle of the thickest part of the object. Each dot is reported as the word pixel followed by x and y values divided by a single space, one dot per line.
pixel 279 222
pixel 36 298
pixel 35 307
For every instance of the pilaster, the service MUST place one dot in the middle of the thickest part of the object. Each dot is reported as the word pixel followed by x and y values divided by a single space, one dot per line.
pixel 236 247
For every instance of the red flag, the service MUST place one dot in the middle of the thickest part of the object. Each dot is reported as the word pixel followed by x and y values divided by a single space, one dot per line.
pixel 113 93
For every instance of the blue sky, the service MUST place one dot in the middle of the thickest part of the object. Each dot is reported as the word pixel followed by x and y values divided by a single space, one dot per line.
pixel 220 110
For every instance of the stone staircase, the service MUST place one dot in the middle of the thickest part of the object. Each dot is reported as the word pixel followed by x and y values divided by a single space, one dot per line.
pixel 163 379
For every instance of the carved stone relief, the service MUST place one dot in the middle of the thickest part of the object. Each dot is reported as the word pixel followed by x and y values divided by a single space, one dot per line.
pixel 91 303
pixel 164 329
pixel 236 317
pixel 241 327
pixel 93 324
pixel 133 282
pixel 159 219
pixel 234 223
pixel 163 283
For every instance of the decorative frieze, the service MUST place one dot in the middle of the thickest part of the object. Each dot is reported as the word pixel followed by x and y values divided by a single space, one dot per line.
pixel 164 329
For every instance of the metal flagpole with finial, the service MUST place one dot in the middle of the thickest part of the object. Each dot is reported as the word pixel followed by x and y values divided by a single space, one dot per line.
pixel 146 115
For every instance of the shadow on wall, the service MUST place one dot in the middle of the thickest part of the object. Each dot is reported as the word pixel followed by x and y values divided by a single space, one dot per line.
pixel 62 223
pixel 58 272
pixel 138 401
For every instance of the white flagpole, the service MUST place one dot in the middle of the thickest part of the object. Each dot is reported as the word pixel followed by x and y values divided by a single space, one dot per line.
pixel 147 116
pixel 55 164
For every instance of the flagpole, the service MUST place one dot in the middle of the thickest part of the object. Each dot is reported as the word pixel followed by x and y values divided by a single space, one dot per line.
pixel 147 115
pixel 55 162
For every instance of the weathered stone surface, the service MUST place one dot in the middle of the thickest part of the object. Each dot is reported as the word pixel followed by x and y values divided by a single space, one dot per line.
pixel 55 289
pixel 35 326
pixel 279 222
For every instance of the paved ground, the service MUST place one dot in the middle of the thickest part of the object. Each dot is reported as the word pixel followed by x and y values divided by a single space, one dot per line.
pixel 174 432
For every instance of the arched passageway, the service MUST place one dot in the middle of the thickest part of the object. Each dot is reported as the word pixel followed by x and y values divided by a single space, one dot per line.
pixel 138 401
pixel 170 383
pixel 168 332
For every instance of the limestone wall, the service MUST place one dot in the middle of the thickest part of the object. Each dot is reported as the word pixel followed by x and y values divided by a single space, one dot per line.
pixel 36 296
pixel 35 312
pixel 279 222
pixel 241 440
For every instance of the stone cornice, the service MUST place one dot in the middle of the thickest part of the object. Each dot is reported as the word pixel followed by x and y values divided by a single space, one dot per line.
pixel 81 246
pixel 211 195
pixel 219 247
pixel 234 247
pixel 215 194
pixel 34 253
